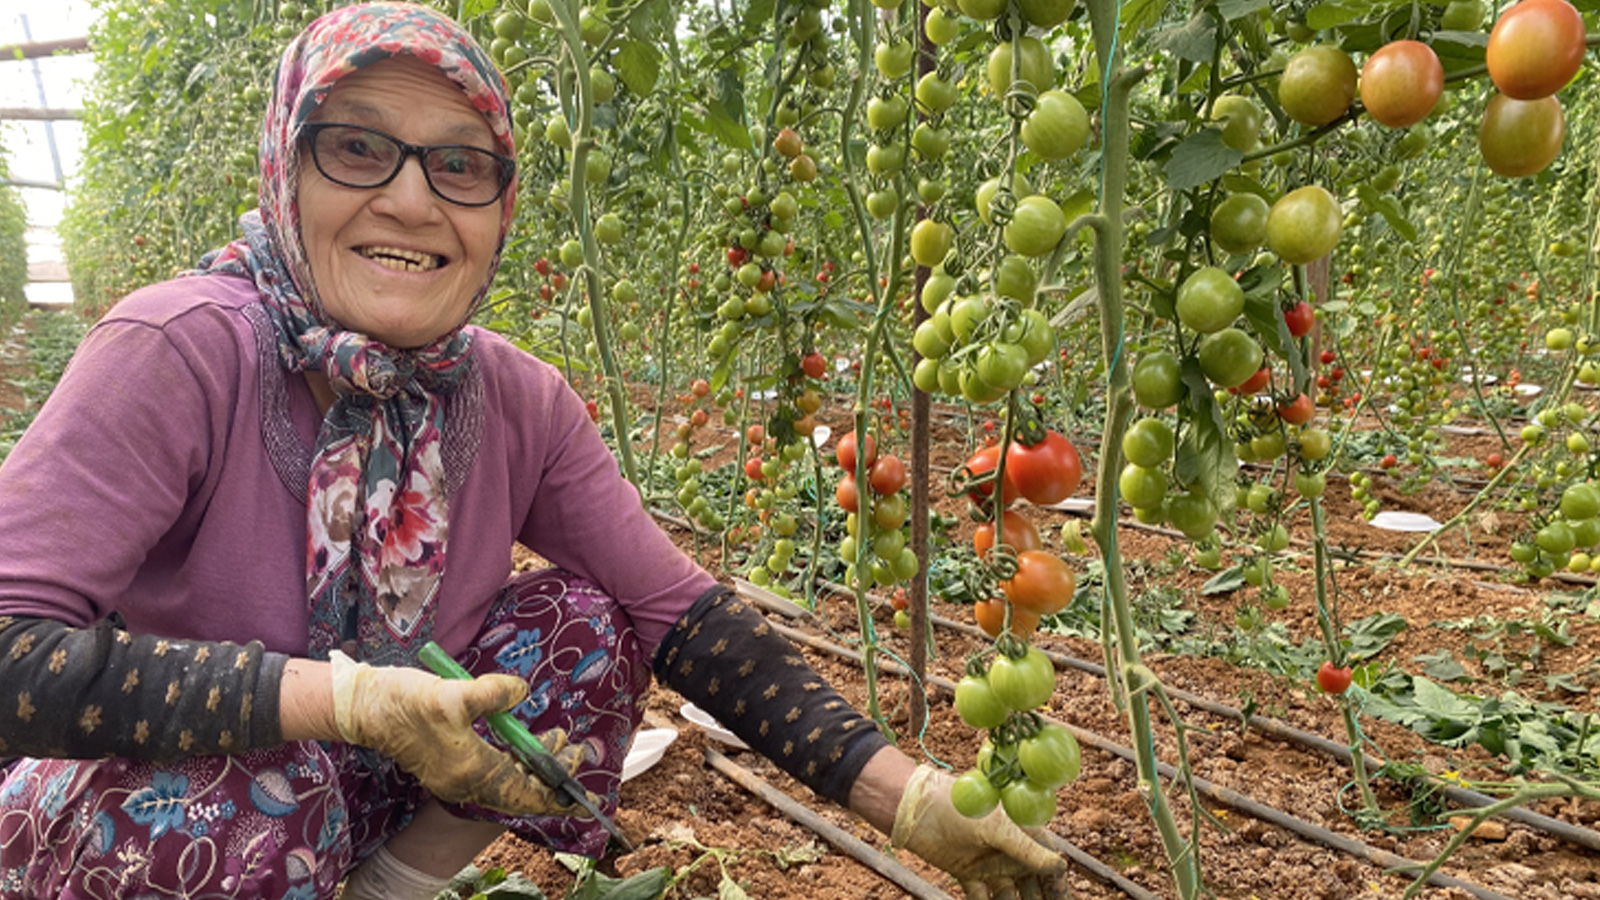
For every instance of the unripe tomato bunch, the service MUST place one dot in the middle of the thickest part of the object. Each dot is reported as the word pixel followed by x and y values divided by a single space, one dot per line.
pixel 777 483
pixel 1565 537
pixel 1025 759
pixel 689 468
pixel 877 536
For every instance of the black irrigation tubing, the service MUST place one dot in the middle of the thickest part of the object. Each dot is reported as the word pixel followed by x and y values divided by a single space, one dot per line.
pixel 1573 834
pixel 1226 796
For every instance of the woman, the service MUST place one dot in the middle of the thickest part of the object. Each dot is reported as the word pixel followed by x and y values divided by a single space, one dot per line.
pixel 299 465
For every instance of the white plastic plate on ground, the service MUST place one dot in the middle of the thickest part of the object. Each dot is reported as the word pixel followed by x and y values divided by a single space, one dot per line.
pixel 1528 390
pixel 820 435
pixel 1074 504
pixel 1404 521
pixel 648 747
pixel 712 727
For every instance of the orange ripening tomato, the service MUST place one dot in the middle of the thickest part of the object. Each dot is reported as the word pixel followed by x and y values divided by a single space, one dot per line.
pixel 1017 531
pixel 991 615
pixel 1401 83
pixel 1535 48
pixel 982 463
pixel 1520 137
pixel 1043 584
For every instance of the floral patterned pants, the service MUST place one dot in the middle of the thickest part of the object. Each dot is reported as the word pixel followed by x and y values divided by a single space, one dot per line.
pixel 292 820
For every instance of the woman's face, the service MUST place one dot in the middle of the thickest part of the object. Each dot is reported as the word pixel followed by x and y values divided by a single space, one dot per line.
pixel 357 238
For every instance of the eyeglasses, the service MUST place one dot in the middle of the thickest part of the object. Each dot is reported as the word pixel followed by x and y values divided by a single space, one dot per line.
pixel 360 157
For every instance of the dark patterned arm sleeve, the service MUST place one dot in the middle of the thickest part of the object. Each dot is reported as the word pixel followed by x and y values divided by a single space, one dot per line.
pixel 85 693
pixel 724 657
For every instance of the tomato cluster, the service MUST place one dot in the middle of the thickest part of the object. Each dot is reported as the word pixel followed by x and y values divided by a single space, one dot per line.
pixel 1025 759
pixel 882 545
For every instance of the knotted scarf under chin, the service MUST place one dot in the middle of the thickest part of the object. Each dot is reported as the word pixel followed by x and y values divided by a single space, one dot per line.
pixel 377 511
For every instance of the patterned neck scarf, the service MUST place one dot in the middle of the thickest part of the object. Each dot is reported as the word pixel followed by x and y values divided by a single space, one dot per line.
pixel 377 512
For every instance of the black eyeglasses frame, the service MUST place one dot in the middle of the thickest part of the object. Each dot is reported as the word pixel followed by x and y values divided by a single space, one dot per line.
pixel 508 166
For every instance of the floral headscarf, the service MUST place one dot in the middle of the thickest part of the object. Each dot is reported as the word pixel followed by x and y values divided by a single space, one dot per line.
pixel 377 511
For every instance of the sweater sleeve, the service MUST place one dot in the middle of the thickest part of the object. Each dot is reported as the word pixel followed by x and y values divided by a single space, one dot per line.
pixel 84 693
pixel 724 657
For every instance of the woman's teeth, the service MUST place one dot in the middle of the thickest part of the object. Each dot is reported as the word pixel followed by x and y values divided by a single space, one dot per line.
pixel 402 260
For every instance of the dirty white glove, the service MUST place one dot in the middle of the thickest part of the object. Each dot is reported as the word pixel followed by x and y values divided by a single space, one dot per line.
pixel 990 857
pixel 384 877
pixel 424 723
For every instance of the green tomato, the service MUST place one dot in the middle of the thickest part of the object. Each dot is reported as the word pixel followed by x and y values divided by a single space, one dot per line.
pixel 1148 443
pixel 1229 357
pixel 973 795
pixel 1318 85
pixel 1157 380
pixel 1239 223
pixel 1037 68
pixel 1024 683
pixel 1304 225
pixel 1209 300
pixel 1028 803
pixel 1310 484
pixel 1192 514
pixel 1057 127
pixel 1143 487
pixel 1051 757
pixel 1036 226
pixel 977 704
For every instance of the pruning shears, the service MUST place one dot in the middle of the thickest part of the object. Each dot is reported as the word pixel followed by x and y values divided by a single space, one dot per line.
pixel 524 746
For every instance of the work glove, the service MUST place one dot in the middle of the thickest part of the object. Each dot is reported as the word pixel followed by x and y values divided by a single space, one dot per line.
pixel 424 723
pixel 990 857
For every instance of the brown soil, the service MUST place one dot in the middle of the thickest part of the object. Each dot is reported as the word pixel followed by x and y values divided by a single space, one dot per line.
pixel 12 366
pixel 680 808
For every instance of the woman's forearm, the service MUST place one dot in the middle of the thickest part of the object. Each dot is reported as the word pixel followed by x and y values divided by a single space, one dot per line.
pixel 875 796
pixel 305 702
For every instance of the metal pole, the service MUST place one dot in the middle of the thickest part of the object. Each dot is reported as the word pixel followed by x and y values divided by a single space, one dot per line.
pixel 49 126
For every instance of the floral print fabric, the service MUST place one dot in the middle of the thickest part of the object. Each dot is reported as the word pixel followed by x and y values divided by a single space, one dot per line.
pixel 377 510
pixel 291 821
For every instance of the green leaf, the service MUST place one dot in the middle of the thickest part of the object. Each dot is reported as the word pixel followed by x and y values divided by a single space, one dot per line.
pixel 719 375
pixel 1261 308
pixel 647 885
pixel 1206 454
pixel 472 8
pixel 1369 636
pixel 1194 40
pixel 1442 704
pixel 1336 12
pixel 1138 15
pixel 1238 9
pixel 1389 208
pixel 1225 582
pixel 639 65
pixel 1441 665
pixel 1200 159
pixel 730 890
pixel 757 15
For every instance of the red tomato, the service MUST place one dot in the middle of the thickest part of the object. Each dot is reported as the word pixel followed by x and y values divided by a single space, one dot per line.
pixel 1327 357
pixel 1299 318
pixel 1047 472
pixel 845 453
pixel 1017 531
pixel 845 494
pixel 888 475
pixel 1254 383
pixel 755 434
pixel 593 409
pixel 752 468
pixel 1043 583
pixel 1401 83
pixel 1332 679
pixel 699 387
pixel 1535 48
pixel 1297 411
pixel 542 266
pixel 813 365
pixel 982 463
pixel 699 418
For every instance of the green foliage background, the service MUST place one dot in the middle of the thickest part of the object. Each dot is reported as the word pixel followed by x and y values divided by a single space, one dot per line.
pixel 13 249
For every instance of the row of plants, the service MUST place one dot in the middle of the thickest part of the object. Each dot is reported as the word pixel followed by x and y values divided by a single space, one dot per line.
pixel 13 246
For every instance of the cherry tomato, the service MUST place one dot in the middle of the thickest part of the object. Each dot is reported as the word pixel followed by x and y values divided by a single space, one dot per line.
pixel 787 143
pixel 973 795
pixel 1401 83
pixel 1037 225
pixel 976 703
pixel 1158 380
pixel 1209 300
pixel 752 468
pixel 1520 137
pixel 1051 757
pixel 1229 357
pixel 1028 803
pixel 1317 85
pixel 845 452
pixel 1304 225
pixel 1333 679
pixel 1239 223
pixel 982 463
pixel 1297 411
pixel 1299 318
pixel 1043 583
pixel 845 494
pixel 1017 531
pixel 991 616
pixel 813 365
pixel 1024 683
pixel 1047 472
pixel 887 475
pixel 1254 383
pixel 1535 48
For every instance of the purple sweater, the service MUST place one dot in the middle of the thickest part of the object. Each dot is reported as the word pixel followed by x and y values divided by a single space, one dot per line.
pixel 165 480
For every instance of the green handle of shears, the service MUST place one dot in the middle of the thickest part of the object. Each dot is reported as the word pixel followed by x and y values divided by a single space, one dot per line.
pixel 506 727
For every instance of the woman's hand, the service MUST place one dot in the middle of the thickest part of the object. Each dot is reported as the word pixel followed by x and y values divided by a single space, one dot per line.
pixel 424 723
pixel 991 857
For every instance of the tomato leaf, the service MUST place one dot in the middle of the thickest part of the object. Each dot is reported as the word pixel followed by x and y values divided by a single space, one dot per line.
pixel 1206 455
pixel 757 15
pixel 1194 40
pixel 639 65
pixel 1138 15
pixel 1388 207
pixel 1336 12
pixel 1199 159
pixel 1225 582
pixel 1238 9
